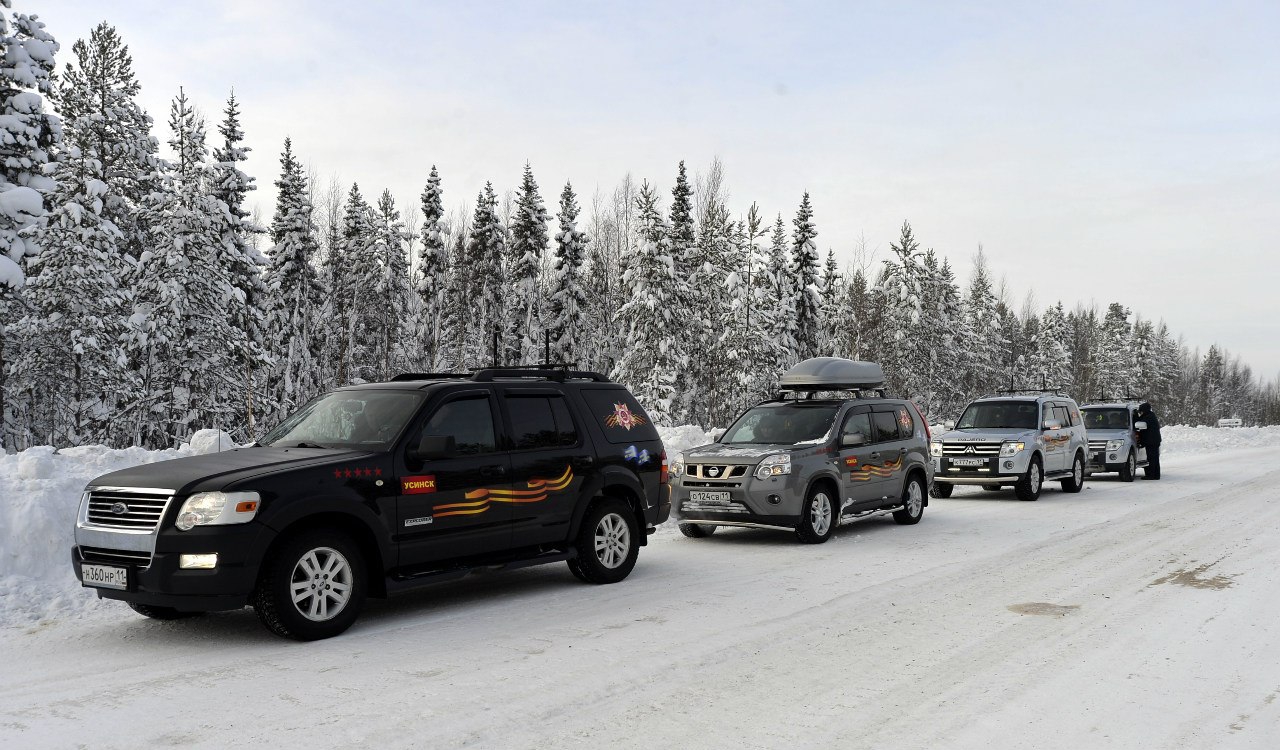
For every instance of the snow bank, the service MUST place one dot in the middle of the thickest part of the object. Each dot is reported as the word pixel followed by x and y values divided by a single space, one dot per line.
pixel 39 495
pixel 40 492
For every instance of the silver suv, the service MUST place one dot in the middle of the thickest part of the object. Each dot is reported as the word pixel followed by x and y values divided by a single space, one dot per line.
pixel 831 447
pixel 1113 444
pixel 1013 440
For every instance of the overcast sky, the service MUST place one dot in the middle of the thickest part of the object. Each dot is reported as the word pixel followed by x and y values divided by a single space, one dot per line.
pixel 1099 152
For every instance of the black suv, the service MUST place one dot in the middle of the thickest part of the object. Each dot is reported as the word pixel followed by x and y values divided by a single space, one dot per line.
pixel 376 489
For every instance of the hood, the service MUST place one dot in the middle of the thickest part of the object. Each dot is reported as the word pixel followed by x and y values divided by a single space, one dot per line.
pixel 988 434
pixel 215 471
pixel 736 454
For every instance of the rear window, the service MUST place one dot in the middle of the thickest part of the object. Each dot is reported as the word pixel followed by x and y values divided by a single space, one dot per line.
pixel 621 418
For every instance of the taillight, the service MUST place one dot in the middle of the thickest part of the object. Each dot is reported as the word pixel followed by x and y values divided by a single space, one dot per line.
pixel 664 475
pixel 928 434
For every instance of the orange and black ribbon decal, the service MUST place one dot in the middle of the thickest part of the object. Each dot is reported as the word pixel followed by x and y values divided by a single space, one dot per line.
pixel 478 501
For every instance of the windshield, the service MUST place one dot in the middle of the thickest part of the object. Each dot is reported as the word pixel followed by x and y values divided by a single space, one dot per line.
pixel 1106 419
pixel 782 424
pixel 1021 415
pixel 347 419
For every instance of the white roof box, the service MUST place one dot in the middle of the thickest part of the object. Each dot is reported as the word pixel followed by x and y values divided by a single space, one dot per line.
pixel 832 373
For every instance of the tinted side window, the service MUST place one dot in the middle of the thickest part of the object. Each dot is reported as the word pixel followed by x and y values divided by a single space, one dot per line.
pixel 859 423
pixel 618 414
pixel 886 423
pixel 1061 414
pixel 532 423
pixel 566 430
pixel 469 421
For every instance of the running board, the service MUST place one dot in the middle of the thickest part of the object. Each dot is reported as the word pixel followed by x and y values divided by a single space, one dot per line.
pixel 401 582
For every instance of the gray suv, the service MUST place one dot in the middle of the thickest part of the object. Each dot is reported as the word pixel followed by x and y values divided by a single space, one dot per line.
pixel 831 447
pixel 1113 444
pixel 1021 440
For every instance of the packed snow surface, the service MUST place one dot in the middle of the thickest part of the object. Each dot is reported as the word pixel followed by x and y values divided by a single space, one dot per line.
pixel 1140 615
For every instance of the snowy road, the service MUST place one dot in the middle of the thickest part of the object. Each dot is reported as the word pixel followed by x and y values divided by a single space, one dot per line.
pixel 1142 615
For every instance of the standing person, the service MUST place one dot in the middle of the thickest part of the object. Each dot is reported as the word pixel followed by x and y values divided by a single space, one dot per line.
pixel 1149 438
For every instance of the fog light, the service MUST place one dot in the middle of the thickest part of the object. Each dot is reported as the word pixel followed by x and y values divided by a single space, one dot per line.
pixel 198 562
pixel 774 499
pixel 1008 464
pixel 1111 456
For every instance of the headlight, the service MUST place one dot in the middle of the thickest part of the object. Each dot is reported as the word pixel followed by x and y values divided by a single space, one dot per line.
pixel 1012 449
pixel 217 509
pixel 935 448
pixel 676 469
pixel 775 465
pixel 1115 445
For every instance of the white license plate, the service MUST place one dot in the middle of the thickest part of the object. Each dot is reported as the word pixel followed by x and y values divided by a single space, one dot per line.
pixel 104 576
pixel 708 497
pixel 968 462
pixel 1097 457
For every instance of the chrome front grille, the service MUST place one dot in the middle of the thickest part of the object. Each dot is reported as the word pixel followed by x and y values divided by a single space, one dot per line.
pixel 715 471
pixel 132 509
pixel 115 556
pixel 963 449
pixel 1097 445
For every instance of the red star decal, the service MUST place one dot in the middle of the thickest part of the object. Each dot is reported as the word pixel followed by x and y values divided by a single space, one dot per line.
pixel 347 473
pixel 337 473
pixel 377 472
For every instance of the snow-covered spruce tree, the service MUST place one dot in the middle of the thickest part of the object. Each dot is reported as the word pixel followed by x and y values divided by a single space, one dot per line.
pixel 1053 352
pixel 245 267
pixel 96 98
pixel 937 345
pixel 755 294
pixel 76 311
pixel 485 280
pixel 902 290
pixel 524 308
pixel 613 236
pixel 355 290
pixel 687 337
pixel 28 135
pixel 432 272
pixel 649 360
pixel 980 365
pixel 567 314
pixel 780 296
pixel 182 331
pixel 392 288
pixel 831 285
pixel 719 255
pixel 294 289
pixel 456 316
pixel 1083 344
pixel 1115 360
pixel 804 273
pixel 1209 395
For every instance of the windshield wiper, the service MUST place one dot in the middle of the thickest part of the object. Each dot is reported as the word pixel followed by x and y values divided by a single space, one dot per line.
pixel 305 444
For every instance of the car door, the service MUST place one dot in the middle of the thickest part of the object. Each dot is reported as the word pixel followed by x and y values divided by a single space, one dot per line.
pixel 1054 440
pixel 548 459
pixel 1140 450
pixel 894 427
pixel 855 462
pixel 445 508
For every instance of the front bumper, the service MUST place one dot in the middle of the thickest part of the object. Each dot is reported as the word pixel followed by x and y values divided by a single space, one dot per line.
pixel 160 581
pixel 993 469
pixel 764 503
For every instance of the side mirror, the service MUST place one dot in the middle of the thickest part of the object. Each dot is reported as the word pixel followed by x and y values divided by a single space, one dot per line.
pixel 432 446
pixel 852 439
pixel 1139 425
pixel 949 425
pixel 1052 424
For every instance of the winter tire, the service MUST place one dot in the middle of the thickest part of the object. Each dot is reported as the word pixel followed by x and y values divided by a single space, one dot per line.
pixel 607 543
pixel 1075 482
pixel 1130 468
pixel 817 517
pixel 161 613
pixel 697 530
pixel 941 489
pixel 1028 488
pixel 311 587
pixel 913 503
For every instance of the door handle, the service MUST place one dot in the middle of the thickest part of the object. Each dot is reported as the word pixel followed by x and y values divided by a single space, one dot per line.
pixel 583 462
pixel 876 454
pixel 493 471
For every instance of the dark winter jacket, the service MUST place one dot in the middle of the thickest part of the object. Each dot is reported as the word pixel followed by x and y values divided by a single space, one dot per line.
pixel 1149 437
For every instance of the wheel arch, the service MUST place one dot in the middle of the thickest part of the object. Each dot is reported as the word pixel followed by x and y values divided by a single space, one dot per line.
pixel 917 471
pixel 376 559
pixel 617 484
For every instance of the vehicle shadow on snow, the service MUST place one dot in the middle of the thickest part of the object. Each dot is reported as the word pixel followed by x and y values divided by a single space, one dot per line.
pixel 740 535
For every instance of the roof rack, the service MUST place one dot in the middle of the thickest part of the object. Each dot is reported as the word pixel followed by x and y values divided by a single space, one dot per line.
pixel 1029 391
pixel 556 372
pixel 811 394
